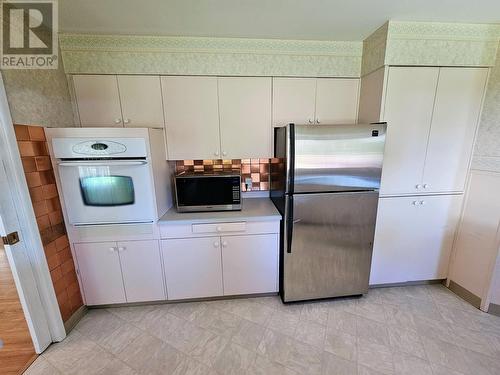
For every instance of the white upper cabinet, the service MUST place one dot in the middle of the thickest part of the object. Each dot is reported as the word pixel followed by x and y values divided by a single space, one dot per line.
pixel 293 100
pixel 408 112
pixel 245 117
pixel 413 238
pixel 336 101
pixel 315 100
pixel 191 117
pixel 141 101
pixel 456 113
pixel 98 100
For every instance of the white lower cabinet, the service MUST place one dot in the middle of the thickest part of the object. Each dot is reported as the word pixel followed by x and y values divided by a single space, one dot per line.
pixel 193 267
pixel 250 264
pixel 413 238
pixel 119 272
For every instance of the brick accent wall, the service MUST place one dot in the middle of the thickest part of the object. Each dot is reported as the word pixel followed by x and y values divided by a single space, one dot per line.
pixel 45 199
pixel 256 169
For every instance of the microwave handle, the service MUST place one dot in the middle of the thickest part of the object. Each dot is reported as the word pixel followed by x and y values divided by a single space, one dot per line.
pixel 100 164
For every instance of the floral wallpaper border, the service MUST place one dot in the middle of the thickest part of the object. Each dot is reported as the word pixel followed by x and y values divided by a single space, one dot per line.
pixel 122 54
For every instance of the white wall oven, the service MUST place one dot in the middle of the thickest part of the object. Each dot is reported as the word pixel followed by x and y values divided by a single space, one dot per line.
pixel 105 181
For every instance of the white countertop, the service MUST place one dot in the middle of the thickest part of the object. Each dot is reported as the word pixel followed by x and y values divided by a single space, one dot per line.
pixel 253 209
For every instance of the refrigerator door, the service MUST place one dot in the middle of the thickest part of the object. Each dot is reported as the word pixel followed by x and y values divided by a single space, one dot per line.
pixel 327 247
pixel 325 158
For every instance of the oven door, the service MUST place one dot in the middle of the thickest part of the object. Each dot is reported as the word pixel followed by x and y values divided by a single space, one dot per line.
pixel 104 192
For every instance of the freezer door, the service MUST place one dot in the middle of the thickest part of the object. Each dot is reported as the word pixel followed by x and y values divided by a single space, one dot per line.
pixel 327 247
pixel 335 157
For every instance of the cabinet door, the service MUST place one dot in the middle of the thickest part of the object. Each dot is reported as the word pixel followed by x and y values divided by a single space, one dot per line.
pixel 192 267
pixel 413 238
pixel 408 112
pixel 141 101
pixel 98 100
pixel 337 101
pixel 100 273
pixel 191 117
pixel 293 100
pixel 456 114
pixel 250 264
pixel 141 268
pixel 245 117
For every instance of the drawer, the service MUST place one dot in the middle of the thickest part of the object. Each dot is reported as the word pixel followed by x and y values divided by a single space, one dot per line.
pixel 219 227
pixel 186 230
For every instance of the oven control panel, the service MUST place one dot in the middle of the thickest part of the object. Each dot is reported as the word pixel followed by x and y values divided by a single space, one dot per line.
pixel 99 148
pixel 68 148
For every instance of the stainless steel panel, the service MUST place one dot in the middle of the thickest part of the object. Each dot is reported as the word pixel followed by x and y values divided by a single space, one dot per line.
pixel 331 244
pixel 338 157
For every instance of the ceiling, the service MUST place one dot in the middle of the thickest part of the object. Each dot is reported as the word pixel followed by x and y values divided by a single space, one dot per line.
pixel 280 19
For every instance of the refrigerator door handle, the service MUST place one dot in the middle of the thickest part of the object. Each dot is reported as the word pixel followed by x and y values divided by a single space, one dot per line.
pixel 291 158
pixel 289 225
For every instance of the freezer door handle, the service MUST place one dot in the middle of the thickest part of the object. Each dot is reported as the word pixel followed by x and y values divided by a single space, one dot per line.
pixel 289 225
pixel 291 158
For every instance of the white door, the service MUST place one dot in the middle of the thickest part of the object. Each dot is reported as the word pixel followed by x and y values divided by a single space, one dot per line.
pixel 433 237
pixel 141 101
pixel 245 117
pixel 337 100
pixel 98 100
pixel 250 264
pixel 100 272
pixel 395 239
pixel 408 112
pixel 413 238
pixel 456 115
pixel 191 117
pixel 141 268
pixel 293 100
pixel 192 267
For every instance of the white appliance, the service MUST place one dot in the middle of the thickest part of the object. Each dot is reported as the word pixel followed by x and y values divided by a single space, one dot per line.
pixel 109 178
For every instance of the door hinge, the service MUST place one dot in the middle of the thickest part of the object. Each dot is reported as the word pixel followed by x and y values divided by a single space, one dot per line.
pixel 11 238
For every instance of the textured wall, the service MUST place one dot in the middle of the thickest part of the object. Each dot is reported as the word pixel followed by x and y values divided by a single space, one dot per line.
pixel 39 97
pixel 487 151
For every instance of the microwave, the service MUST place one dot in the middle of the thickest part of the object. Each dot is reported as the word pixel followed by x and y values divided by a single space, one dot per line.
pixel 208 191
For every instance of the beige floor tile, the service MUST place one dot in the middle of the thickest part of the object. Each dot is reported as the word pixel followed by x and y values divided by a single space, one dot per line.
pixel 363 370
pixel 375 356
pixel 189 366
pixel 445 354
pixel 405 364
pixel 249 334
pixel 315 311
pixel 275 346
pixel 372 331
pixel 164 326
pixel 406 341
pixel 208 346
pixel 218 321
pixel 441 370
pixel 251 310
pixel 149 355
pixel 120 338
pixel 263 366
pixel 140 315
pixel 480 364
pixel 333 364
pixel 98 324
pixel 42 367
pixel 342 321
pixel 234 360
pixel 399 317
pixel 116 367
pixel 303 358
pixel 370 310
pixel 188 310
pixel 341 344
pixel 184 339
pixel 284 322
pixel 311 333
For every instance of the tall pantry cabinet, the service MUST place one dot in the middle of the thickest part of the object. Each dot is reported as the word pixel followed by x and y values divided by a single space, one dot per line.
pixel 432 115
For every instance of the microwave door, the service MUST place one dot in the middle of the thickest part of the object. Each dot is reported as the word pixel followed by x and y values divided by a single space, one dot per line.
pixel 107 192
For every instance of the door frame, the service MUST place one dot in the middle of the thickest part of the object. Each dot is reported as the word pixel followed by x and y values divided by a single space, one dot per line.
pixel 40 308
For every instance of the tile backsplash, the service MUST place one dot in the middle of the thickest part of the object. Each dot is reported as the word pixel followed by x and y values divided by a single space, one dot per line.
pixel 48 213
pixel 256 169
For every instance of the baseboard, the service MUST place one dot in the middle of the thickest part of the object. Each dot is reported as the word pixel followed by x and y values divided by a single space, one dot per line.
pixel 494 309
pixel 407 283
pixel 465 294
pixel 75 318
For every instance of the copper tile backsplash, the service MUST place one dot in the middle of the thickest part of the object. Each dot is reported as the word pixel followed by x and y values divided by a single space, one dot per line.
pixel 256 169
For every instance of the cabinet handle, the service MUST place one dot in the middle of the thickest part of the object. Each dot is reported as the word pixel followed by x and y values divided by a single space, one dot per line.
pixel 224 153
pixel 414 203
pixel 426 186
pixel 224 244
pixel 216 153
pixel 216 244
pixel 422 203
pixel 120 249
pixel 418 186
pixel 317 121
pixel 118 121
pixel 112 249
pixel 219 229
pixel 126 121
pixel 311 121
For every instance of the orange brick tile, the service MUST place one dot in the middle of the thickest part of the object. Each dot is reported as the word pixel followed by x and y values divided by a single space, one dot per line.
pixel 29 164
pixel 53 204
pixel 22 133
pixel 254 168
pixel 72 289
pixel 62 297
pixel 62 242
pixel 70 278
pixel 40 208
pixel 36 194
pixel 56 274
pixel 49 191
pixel 40 148
pixel 245 168
pixel 60 284
pixel 36 133
pixel 43 222
pixel 33 179
pixel 53 261
pixel 68 266
pixel 26 148
pixel 47 177
pixel 64 255
pixel 255 177
pixel 43 163
pixel 55 218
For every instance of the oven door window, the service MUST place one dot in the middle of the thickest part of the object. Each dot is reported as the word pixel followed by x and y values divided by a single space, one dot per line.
pixel 107 190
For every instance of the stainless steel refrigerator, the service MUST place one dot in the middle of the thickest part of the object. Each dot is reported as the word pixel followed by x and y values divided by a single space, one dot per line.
pixel 326 185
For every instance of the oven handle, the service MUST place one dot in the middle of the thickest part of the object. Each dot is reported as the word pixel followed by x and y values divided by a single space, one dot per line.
pixel 100 164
